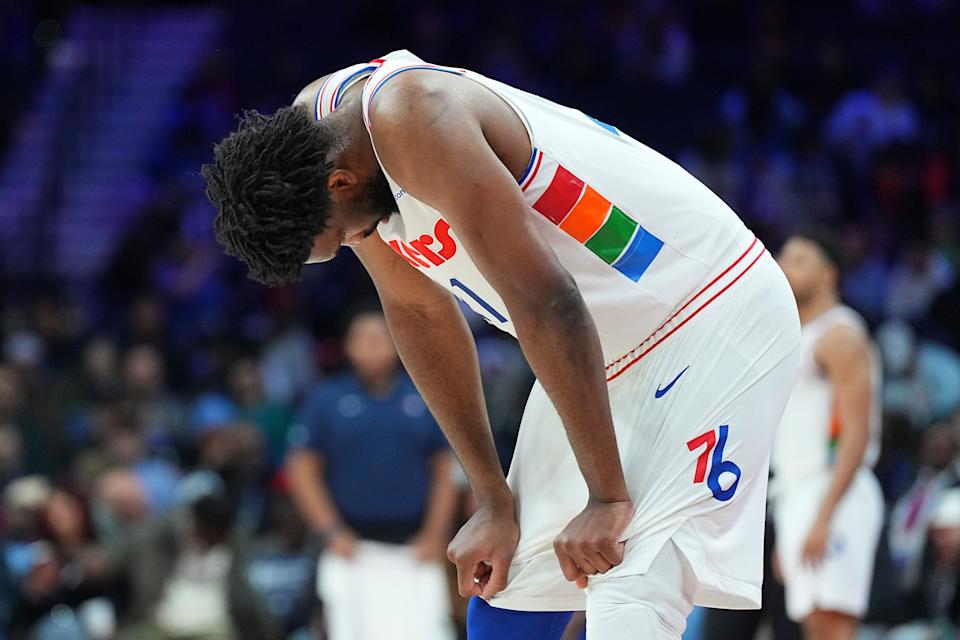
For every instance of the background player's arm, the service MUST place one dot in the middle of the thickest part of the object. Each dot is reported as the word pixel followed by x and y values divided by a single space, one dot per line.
pixel 844 356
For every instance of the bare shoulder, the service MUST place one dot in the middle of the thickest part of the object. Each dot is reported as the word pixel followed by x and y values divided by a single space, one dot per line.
pixel 423 121
pixel 842 345
pixel 308 95
pixel 415 98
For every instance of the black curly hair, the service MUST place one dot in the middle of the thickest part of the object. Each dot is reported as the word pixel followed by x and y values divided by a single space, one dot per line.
pixel 268 183
pixel 828 242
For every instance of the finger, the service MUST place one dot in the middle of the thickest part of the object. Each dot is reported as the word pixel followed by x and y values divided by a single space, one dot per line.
pixel 586 566
pixel 582 582
pixel 569 568
pixel 497 581
pixel 598 561
pixel 613 553
pixel 465 577
pixel 481 574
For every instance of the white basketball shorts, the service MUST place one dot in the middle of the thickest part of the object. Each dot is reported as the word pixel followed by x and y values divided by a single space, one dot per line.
pixel 695 408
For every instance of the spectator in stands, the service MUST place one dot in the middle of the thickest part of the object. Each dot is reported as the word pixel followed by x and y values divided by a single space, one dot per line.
pixel 271 417
pixel 76 390
pixel 233 448
pixel 187 579
pixel 371 474
pixel 911 515
pixel 120 505
pixel 865 282
pixel 869 118
pixel 282 566
pixel 50 536
pixel 159 413
pixel 922 378
pixel 16 418
pixel 939 600
pixel 288 363
pixel 916 280
pixel 941 586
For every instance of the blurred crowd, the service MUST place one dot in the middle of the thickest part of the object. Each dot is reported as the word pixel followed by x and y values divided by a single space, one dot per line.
pixel 145 415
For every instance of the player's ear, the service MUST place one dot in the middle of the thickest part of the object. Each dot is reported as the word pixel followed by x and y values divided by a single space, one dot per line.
pixel 342 181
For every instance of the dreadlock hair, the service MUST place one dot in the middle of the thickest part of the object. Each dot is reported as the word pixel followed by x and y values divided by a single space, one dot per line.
pixel 268 183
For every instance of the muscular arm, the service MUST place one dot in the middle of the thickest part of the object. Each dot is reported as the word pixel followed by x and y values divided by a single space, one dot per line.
pixel 438 351
pixel 435 146
pixel 844 355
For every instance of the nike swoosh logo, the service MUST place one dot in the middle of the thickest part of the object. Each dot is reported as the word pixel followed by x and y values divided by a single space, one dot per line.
pixel 662 392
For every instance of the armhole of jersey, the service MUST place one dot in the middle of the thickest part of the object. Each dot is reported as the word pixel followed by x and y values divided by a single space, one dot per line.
pixel 374 84
pixel 333 88
pixel 316 103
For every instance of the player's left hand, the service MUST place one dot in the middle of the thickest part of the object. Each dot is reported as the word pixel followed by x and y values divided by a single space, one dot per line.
pixel 815 548
pixel 591 544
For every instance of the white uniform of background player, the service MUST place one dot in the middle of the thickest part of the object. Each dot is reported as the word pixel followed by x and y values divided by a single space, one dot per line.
pixel 803 466
pixel 699 333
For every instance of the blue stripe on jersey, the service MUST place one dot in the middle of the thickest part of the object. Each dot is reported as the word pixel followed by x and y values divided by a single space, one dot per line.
pixel 337 96
pixel 606 126
pixel 526 172
pixel 642 250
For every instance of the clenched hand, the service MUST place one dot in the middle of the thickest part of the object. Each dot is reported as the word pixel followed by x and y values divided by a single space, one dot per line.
pixel 590 544
pixel 482 551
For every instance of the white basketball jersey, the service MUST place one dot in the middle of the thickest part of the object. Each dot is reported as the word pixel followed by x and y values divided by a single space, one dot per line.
pixel 640 235
pixel 806 440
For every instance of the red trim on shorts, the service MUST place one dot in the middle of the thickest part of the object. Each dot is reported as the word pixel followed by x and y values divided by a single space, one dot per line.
pixel 692 315
pixel 687 303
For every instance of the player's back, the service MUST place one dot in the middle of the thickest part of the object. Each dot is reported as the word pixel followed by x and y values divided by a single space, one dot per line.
pixel 642 238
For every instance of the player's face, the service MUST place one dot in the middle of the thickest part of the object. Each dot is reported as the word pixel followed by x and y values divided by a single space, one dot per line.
pixel 805 267
pixel 358 206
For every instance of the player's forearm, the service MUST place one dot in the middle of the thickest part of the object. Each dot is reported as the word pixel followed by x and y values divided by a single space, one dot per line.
pixel 850 450
pixel 442 500
pixel 443 364
pixel 310 493
pixel 560 341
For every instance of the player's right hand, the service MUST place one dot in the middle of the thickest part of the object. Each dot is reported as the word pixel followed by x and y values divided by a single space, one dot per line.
pixel 482 551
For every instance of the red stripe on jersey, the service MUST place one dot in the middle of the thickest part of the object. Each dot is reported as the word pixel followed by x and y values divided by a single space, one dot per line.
pixel 559 198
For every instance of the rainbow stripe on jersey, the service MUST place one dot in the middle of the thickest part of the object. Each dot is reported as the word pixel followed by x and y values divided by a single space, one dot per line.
pixel 592 220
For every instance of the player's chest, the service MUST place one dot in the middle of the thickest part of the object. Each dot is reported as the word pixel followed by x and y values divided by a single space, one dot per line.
pixel 425 240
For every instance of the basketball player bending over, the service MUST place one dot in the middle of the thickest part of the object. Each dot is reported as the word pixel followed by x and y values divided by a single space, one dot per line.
pixel 663 335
